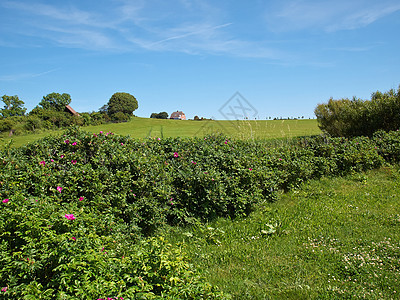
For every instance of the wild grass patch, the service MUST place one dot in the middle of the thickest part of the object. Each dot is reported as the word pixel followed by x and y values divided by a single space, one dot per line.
pixel 332 238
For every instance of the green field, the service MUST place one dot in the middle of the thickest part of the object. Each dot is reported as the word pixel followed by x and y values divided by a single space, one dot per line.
pixel 335 238
pixel 145 127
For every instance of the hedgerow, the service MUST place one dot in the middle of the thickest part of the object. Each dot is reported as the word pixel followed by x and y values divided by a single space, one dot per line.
pixel 79 211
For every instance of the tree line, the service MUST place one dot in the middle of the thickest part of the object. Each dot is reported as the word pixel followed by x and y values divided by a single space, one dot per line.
pixel 52 113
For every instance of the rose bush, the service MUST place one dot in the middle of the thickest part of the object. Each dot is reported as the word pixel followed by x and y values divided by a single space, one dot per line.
pixel 79 211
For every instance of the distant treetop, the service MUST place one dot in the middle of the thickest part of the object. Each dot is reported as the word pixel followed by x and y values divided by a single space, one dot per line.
pixel 55 101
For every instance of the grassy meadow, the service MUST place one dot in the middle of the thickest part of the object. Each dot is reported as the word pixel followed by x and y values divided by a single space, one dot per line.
pixel 146 127
pixel 335 238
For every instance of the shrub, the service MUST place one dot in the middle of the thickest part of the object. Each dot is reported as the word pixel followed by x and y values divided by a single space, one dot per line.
pixel 355 117
pixel 161 115
pixel 72 195
pixel 33 123
pixel 120 117
pixel 6 124
pixel 46 255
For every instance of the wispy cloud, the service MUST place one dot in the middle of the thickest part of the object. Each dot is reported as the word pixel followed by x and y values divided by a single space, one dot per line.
pixel 351 49
pixel 17 77
pixel 194 27
pixel 67 14
pixel 203 31
pixel 326 15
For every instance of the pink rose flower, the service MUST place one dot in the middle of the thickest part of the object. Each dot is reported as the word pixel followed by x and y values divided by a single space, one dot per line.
pixel 59 189
pixel 74 238
pixel 69 216
pixel 74 144
pixel 42 163
pixel 4 289
pixel 81 198
pixel 6 200
pixel 176 154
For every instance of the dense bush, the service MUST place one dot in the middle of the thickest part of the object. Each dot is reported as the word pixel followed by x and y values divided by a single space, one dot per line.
pixel 120 117
pixel 161 115
pixel 79 210
pixel 355 117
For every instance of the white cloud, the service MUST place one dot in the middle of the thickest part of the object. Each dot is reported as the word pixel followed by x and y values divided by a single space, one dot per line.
pixel 327 15
pixel 364 16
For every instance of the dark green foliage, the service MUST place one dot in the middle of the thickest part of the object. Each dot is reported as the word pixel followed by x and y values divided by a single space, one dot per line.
pixel 121 102
pixel 55 101
pixel 13 107
pixel 161 115
pixel 6 124
pixel 120 117
pixel 12 125
pixel 355 117
pixel 121 190
pixel 51 119
pixel 33 123
pixel 51 114
pixel 95 118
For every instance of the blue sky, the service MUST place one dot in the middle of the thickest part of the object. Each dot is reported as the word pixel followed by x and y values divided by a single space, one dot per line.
pixel 283 57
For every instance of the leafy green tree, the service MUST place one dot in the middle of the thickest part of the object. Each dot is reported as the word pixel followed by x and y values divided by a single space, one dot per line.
pixel 6 124
pixel 55 101
pixel 161 115
pixel 13 106
pixel 122 102
pixel 356 117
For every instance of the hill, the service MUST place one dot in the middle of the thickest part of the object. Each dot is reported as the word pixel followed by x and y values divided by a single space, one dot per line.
pixel 145 127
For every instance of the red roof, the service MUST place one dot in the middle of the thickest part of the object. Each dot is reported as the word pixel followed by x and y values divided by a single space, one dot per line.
pixel 71 110
pixel 178 115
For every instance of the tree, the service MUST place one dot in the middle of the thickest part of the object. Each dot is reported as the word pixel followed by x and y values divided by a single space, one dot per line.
pixel 122 102
pixel 55 101
pixel 348 118
pixel 161 115
pixel 13 106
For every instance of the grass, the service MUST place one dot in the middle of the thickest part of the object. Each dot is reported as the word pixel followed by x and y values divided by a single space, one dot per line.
pixel 145 127
pixel 333 238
